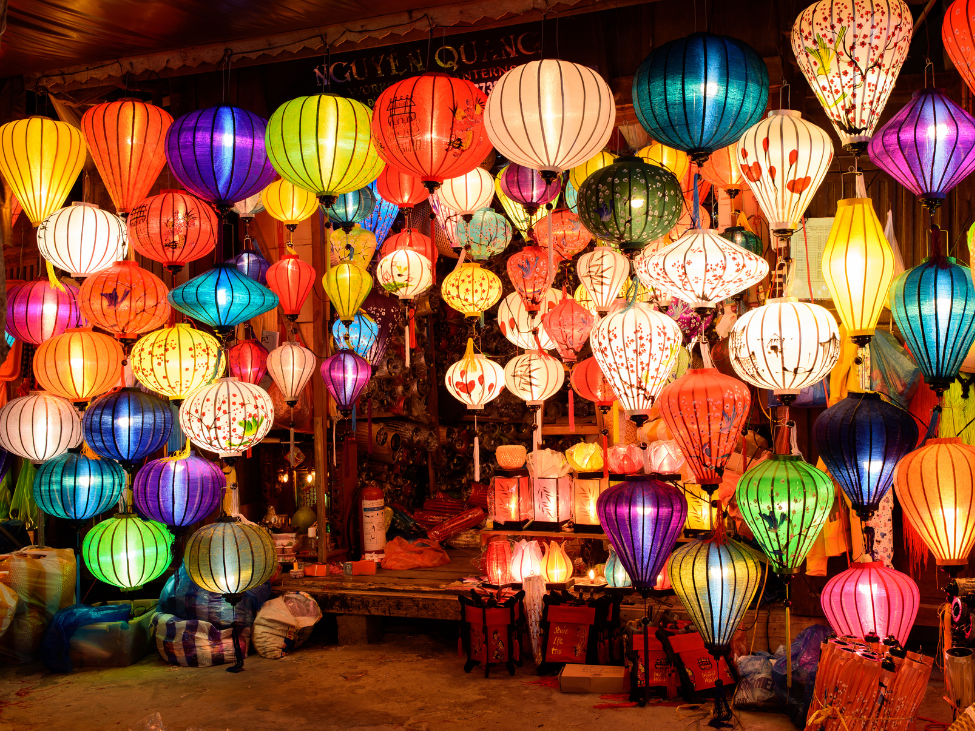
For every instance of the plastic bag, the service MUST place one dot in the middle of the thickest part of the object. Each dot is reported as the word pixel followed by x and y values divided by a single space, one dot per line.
pixel 423 554
pixel 22 505
pixel 756 691
pixel 806 648
pixel 892 371
pixel 285 623
pixel 195 643
pixel 184 599
pixel 56 643
pixel 8 607
pixel 44 581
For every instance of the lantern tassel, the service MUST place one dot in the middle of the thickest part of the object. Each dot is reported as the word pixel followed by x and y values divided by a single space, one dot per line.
pixel 605 457
pixel 696 211
pixel 353 417
pixel 183 453
pixel 616 422
pixel 412 320
pixel 52 278
pixel 551 248
pixel 335 457
pixel 477 454
pixel 572 412
pixel 788 638
pixel 406 341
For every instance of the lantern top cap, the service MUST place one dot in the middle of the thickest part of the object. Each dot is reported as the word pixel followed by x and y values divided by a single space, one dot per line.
pixel 784 113
pixel 946 440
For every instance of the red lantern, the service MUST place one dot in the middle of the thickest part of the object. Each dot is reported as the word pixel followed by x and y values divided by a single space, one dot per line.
pixel 568 325
pixel 400 189
pixel 722 169
pixel 173 228
pixel 291 280
pixel 431 126
pixel 589 382
pixel 529 273
pixel 127 141
pixel 247 361
pixel 125 299
pixel 497 562
pixel 705 410
pixel 569 236
pixel 413 240
pixel 871 602
pixel 15 209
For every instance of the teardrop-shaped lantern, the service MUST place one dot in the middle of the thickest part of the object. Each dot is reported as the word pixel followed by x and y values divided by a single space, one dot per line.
pixel 588 381
pixel 474 380
pixel 405 273
pixel 534 377
pixel 518 325
pixel 470 289
pixel 347 286
pixel 291 279
pixel 382 218
pixel 291 366
pixel 345 375
pixel 222 298
pixel 82 239
pixel 363 336
pixel 568 324
pixel 173 228
pixel 530 275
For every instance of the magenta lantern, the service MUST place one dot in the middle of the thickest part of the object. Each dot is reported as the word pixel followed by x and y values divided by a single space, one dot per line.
pixel 871 602
pixel 37 311
pixel 345 375
pixel 528 187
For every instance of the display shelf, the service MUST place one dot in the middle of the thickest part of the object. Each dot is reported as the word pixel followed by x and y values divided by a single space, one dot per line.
pixel 486 535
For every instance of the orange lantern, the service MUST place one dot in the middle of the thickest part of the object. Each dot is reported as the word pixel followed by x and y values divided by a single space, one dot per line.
pixel 722 171
pixel 291 280
pixel 569 236
pixel 125 299
pixel 400 189
pixel 556 565
pixel 173 228
pixel 78 364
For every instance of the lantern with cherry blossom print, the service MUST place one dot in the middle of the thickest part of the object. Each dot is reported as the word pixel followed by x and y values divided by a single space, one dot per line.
pixel 871 602
pixel 530 275
pixel 81 239
pixel 497 562
pixel 173 228
pixel 467 193
pixel 405 273
pixel 291 366
pixel 291 280
pixel 470 289
pixel 228 417
pixel 247 361
pixel 518 325
pixel 784 158
pixel 176 361
pixel 527 186
pixel 125 299
pixel 569 236
pixel 568 324
pixel 474 380
pixel 345 375
pixel 401 189
pixel 486 234
pixel 446 220
pixel 37 311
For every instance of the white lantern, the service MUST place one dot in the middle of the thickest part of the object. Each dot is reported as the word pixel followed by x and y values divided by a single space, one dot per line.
pixel 405 273
pixel 474 379
pixel 518 324
pixel 82 239
pixel 550 115
pixel 291 367
pixel 636 348
pixel 534 377
pixel 467 193
pixel 784 158
pixel 702 268
pixel 228 417
pixel 526 560
pixel 446 220
pixel 784 345
pixel 603 272
pixel 39 427
pixel 665 457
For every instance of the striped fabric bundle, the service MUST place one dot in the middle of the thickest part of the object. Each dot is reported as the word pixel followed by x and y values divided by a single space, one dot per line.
pixel 195 643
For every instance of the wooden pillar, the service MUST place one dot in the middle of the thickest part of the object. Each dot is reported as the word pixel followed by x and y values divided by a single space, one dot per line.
pixel 322 310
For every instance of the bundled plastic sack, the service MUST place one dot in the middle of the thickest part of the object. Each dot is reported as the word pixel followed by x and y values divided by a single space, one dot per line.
pixel 756 690
pixel 806 648
pixel 8 607
pixel 184 599
pixel 194 643
pixel 44 582
pixel 550 463
pixel 585 457
pixel 422 554
pixel 285 623
pixel 56 643
pixel 892 371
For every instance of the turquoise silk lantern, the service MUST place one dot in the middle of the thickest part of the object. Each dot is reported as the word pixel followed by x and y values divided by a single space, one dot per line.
pixel 222 298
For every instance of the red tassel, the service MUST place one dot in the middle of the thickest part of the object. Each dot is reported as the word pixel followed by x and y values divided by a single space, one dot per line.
pixel 572 411
pixel 248 453
pixel 605 460
pixel 369 421
pixel 412 329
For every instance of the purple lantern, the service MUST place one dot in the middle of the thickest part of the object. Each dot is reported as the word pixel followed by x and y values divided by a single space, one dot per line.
pixel 37 311
pixel 928 147
pixel 251 264
pixel 178 493
pixel 688 319
pixel 526 186
pixel 345 375
pixel 643 518
pixel 218 154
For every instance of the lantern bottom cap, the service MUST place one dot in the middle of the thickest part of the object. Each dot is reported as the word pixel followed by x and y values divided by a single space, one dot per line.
pixel 475 407
pixel 952 561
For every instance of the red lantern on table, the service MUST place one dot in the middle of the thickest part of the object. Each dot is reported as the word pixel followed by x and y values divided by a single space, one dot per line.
pixel 247 361
pixel 401 189
pixel 529 273
pixel 291 280
pixel 173 228
pixel 497 561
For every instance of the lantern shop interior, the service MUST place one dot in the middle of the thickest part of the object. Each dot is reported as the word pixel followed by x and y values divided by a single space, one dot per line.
pixel 580 362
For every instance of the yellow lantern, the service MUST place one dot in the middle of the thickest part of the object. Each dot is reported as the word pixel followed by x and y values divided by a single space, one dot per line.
pixel 676 161
pixel 701 517
pixel 288 203
pixel 516 212
pixel 79 364
pixel 579 173
pixel 357 245
pixel 175 361
pixel 556 565
pixel 347 286
pixel 40 159
pixel 471 290
pixel 858 266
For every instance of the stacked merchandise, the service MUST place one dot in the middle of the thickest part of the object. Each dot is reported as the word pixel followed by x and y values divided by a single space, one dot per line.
pixel 34 585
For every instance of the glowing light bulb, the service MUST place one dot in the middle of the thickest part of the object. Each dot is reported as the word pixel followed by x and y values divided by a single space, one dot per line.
pixel 938 131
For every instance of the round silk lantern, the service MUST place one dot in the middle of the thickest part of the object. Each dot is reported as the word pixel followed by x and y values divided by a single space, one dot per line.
pixel 229 557
pixel 323 143
pixel 401 189
pixel 706 411
pixel 248 208
pixel 176 361
pixel 722 170
pixel 630 202
pixel 251 264
pixel 126 140
pixel 228 417
pixel 861 438
pixel 291 280
pixel 247 361
pixel 363 336
pixel 474 380
pixel 74 487
pixel 222 298
pixel 125 299
pixel 569 236
pixel 173 228
pixel 291 367
pixel 699 93
pixel 579 173
pixel 534 377
pixel 745 239
pixel 288 203
pixel 81 239
pixel 467 193
pixel 79 364
pixel 405 273
pixel 852 80
pixel 218 154
pixel 352 207
pixel 127 425
pixel 527 187
pixel 356 245
pixel 37 311
pixel 676 161
pixel 471 290
pixel 431 126
pixel 871 602
pixel 518 325
pixel 346 286
pixel 127 551
pixel 530 275
pixel 589 382
pixel 40 159
pixel 486 234
pixel 178 493
pixel 39 427
pixel 410 238
pixel 935 485
pixel 568 324
pixel 345 375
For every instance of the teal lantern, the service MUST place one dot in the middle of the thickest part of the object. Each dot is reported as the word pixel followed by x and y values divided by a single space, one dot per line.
pixel 486 234
pixel 571 196
pixel 630 202
pixel 350 208
pixel 361 336
pixel 744 238
pixel 222 298
pixel 75 487
pixel 127 551
pixel 700 93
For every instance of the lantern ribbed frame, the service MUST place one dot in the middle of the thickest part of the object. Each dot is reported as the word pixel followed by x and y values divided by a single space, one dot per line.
pixel 861 438
pixel 222 298
pixel 517 324
pixel 745 239
pixel 569 236
pixel 636 348
pixel 659 154
pixel 474 380
pixel 39 427
pixel 615 572
pixel 668 98
pixel 722 170
pixel 126 139
pixel 853 100
pixel 288 203
pixel 529 273
pixel 38 311
pixel 347 286
pixel 869 599
pixel 352 207
pixel 579 173
pixel 75 487
pixel 291 366
pixel 516 213
pixel 291 279
pixel 227 417
pixel 405 273
pixel 588 381
pixel 178 493
pixel 958 36
pixel 784 345
pixel 382 218
pixel 550 115
pixel 230 557
pixel 173 228
pixel 935 486
pixel 345 375
pixel 357 245
pixel 127 551
pixel 556 564
pixel 534 376
pixel 784 158
pixel 127 425
pixel 497 562
pixel 705 410
pixel 526 560
pixel 487 234
pixel 467 193
pixel 363 336
pixel 786 502
pixel 401 189
pixel 82 239
pixel 323 143
pixel 125 299
pixel 643 519
pixel 471 290
pixel 568 324
pixel 247 360
pixel 79 364
pixel 41 159
pixel 175 361
pixel 527 186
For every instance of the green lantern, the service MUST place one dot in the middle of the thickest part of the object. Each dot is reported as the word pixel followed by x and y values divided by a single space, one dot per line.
pixel 630 202
pixel 744 238
pixel 127 551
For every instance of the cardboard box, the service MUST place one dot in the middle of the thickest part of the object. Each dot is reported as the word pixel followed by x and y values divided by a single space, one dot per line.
pixel 602 679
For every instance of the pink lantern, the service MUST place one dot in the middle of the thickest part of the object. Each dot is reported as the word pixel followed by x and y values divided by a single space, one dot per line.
pixel 568 325
pixel 247 361
pixel 37 311
pixel 869 600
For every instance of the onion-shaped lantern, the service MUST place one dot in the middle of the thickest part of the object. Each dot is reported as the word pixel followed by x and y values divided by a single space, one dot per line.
pixel 527 186
pixel 127 425
pixel 401 189
pixel 37 311
pixel 568 324
pixel 518 325
pixel 569 236
pixel 222 298
pixel 39 427
pixel 247 360
pixel 405 273
pixel 180 492
pixel 287 203
pixel 474 380
pixel 173 228
pixel 291 366
pixel 357 245
pixel 588 381
pixel 410 238
pixel 486 234
pixel 861 438
pixel 531 275
pixel 345 375
pixel 81 239
pixel 579 173
pixel 871 602
pixel 291 280
pixel 125 300
pixel 534 377
pixel 467 193
pixel 227 417
pixel 79 364
pixel 347 287
pixel 515 211
pixel 471 290
pixel 352 207
pixel 699 93
pixel 75 487
pixel 176 361
pixel 127 551
pixel 363 336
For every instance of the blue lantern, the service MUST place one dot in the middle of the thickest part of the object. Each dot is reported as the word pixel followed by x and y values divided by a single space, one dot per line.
pixel 127 425
pixel 251 264
pixel 861 438
pixel 75 487
pixel 363 336
pixel 700 93
pixel 383 215
pixel 571 196
pixel 933 304
pixel 486 234
pixel 222 298
pixel 350 208
pixel 178 493
pixel 9 338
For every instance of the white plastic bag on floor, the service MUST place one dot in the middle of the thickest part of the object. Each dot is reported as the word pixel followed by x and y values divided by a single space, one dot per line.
pixel 285 623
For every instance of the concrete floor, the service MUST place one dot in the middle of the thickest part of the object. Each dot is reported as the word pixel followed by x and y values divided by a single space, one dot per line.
pixel 411 680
